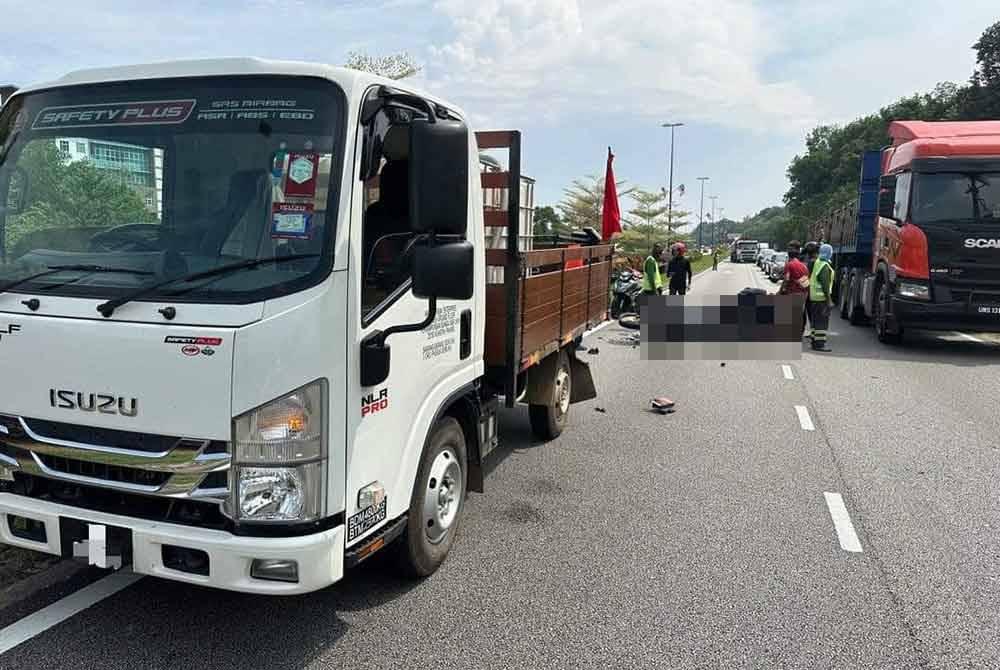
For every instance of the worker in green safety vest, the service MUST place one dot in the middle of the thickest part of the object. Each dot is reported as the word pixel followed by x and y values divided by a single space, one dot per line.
pixel 652 280
pixel 821 297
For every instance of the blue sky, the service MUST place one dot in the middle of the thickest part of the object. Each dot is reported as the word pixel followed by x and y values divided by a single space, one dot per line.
pixel 748 79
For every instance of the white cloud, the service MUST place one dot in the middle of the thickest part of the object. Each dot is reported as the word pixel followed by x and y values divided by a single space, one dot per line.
pixel 651 58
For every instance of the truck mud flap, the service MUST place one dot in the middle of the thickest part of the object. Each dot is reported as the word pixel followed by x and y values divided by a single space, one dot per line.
pixel 541 379
pixel 583 381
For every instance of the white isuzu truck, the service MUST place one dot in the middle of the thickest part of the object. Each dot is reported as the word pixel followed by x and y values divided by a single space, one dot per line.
pixel 246 334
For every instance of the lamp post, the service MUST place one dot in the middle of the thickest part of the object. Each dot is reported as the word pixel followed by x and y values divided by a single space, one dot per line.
pixel 670 192
pixel 701 211
pixel 721 210
pixel 713 198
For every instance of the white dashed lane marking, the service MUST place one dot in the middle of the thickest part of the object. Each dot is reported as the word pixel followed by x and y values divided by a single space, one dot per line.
pixel 804 419
pixel 842 522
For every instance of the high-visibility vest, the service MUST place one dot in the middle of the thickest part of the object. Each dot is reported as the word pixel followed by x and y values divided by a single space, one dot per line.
pixel 819 293
pixel 651 283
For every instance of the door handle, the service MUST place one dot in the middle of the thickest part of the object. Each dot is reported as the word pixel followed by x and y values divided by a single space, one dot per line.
pixel 465 335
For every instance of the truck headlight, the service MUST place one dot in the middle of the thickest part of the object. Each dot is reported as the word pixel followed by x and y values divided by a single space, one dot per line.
pixel 914 290
pixel 279 459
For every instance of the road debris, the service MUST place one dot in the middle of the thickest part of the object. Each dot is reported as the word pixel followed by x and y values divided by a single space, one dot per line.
pixel 601 410
pixel 593 350
pixel 662 404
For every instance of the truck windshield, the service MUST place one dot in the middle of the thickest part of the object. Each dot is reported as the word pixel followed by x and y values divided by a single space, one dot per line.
pixel 165 178
pixel 951 196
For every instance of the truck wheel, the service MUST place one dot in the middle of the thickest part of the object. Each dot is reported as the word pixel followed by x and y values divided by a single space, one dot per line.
pixel 844 295
pixel 548 421
pixel 437 501
pixel 855 312
pixel 881 319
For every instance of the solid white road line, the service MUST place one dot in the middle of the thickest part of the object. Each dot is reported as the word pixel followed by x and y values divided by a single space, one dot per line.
pixel 787 371
pixel 842 522
pixel 804 419
pixel 59 611
pixel 970 337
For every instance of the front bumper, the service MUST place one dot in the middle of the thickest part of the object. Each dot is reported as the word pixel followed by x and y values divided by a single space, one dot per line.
pixel 320 556
pixel 942 316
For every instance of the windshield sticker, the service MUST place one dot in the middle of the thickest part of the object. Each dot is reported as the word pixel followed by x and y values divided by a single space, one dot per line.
pixel 254 110
pixel 301 182
pixel 291 221
pixel 159 112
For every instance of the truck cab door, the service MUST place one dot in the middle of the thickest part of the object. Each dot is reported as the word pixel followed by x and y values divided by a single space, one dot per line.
pixel 388 420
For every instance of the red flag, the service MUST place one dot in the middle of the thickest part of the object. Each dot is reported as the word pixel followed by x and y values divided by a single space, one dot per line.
pixel 611 217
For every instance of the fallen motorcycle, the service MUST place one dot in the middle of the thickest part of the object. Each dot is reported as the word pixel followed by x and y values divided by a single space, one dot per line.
pixel 625 293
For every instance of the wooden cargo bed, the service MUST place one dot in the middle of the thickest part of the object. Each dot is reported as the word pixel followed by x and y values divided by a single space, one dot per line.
pixel 542 299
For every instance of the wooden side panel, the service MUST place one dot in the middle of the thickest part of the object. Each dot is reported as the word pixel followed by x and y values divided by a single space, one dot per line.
pixel 542 298
pixel 495 218
pixel 600 291
pixel 495 179
pixel 493 139
pixel 555 306
pixel 496 324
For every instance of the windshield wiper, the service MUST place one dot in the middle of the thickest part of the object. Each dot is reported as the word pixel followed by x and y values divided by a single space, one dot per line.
pixel 108 308
pixel 55 269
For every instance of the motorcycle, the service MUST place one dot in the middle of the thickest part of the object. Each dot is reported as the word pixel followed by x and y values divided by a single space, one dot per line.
pixel 625 293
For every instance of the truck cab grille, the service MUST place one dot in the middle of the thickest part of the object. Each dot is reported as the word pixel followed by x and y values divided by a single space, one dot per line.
pixel 156 465
pixel 104 471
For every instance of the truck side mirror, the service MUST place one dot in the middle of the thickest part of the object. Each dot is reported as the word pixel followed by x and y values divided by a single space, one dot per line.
pixel 887 197
pixel 444 271
pixel 439 271
pixel 439 176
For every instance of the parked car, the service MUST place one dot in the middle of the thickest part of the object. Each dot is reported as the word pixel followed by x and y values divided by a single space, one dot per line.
pixel 776 266
pixel 764 257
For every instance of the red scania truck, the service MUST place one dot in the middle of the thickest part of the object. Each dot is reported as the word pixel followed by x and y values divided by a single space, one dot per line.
pixel 920 248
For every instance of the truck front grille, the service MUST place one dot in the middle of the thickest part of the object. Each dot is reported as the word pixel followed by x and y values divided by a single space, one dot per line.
pixel 104 471
pixel 142 463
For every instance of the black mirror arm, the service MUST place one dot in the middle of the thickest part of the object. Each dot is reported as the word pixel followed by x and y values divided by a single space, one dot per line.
pixel 378 339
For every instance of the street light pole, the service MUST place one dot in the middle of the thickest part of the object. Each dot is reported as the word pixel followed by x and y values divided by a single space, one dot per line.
pixel 715 241
pixel 701 211
pixel 670 193
pixel 721 210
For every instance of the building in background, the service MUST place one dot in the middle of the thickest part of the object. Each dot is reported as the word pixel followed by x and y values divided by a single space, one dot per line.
pixel 139 168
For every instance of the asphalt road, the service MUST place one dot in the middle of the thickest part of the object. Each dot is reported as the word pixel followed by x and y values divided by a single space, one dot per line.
pixel 698 539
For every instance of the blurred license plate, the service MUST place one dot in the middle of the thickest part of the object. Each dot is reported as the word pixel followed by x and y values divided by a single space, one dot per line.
pixel 988 309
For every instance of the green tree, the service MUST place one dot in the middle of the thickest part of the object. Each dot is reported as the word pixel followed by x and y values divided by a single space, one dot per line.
pixel 548 222
pixel 583 202
pixel 647 220
pixel 64 195
pixel 988 56
pixel 393 66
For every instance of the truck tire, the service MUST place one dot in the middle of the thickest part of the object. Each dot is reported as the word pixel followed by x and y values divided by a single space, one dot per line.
pixel 549 420
pixel 881 318
pixel 844 294
pixel 437 502
pixel 855 312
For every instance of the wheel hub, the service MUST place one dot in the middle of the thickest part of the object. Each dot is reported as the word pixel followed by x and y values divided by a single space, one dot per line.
pixel 444 496
pixel 562 391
